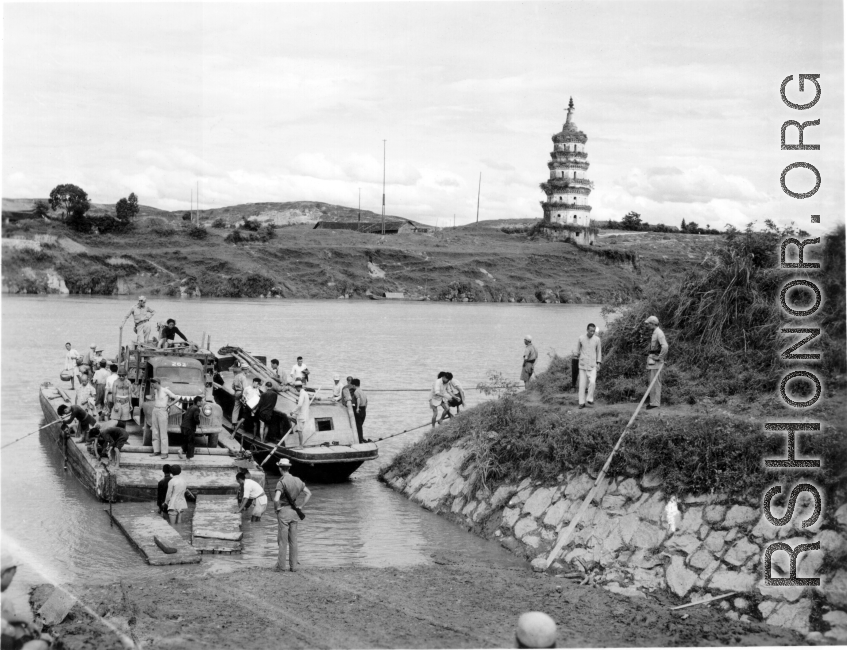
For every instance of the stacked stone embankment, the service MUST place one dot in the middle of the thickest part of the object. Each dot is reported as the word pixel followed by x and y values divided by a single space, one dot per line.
pixel 633 542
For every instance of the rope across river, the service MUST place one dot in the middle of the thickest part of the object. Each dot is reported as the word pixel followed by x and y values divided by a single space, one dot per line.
pixel 31 433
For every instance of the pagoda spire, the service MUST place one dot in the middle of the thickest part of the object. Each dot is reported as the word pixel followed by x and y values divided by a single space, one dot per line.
pixel 570 112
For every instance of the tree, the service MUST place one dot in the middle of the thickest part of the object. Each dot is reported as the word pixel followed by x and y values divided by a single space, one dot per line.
pixel 41 208
pixel 631 221
pixel 73 202
pixel 186 216
pixel 693 228
pixel 683 227
pixel 127 208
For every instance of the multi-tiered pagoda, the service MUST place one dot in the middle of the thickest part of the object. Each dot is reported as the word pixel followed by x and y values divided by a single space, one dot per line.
pixel 567 189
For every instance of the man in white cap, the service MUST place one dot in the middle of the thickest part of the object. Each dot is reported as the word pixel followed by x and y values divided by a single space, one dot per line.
pixel 290 496
pixel 535 630
pixel 655 360
pixel 530 354
pixel 141 314
pixel 590 355
pixel 336 388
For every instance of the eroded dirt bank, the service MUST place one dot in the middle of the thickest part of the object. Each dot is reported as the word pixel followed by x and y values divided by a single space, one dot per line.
pixel 448 603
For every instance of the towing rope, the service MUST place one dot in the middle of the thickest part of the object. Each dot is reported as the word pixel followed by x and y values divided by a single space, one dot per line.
pixel 31 433
pixel 402 432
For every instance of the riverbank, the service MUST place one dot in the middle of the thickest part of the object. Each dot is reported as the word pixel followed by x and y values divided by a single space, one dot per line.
pixel 446 604
pixel 469 264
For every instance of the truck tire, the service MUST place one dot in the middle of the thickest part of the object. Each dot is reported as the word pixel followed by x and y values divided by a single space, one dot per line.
pixel 212 440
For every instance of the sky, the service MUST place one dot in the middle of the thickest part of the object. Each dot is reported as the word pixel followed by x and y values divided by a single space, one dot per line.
pixel 291 102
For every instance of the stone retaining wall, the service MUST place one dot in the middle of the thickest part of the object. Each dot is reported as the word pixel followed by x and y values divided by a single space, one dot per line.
pixel 633 543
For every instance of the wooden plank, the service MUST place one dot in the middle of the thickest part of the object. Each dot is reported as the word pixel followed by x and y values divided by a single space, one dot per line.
pixel 206 545
pixel 215 523
pixel 55 608
pixel 141 527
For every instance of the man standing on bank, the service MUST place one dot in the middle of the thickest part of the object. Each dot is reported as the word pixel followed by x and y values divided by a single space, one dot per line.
pixel 590 354
pixel 530 355
pixel 288 514
pixel 141 314
pixel 159 417
pixel 655 360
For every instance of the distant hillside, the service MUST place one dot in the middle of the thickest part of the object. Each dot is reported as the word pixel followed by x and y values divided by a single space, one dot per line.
pixel 501 223
pixel 25 208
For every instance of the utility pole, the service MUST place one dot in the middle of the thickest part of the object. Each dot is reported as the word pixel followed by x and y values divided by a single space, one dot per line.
pixel 198 202
pixel 383 187
pixel 477 196
pixel 359 227
pixel 191 209
pixel 454 219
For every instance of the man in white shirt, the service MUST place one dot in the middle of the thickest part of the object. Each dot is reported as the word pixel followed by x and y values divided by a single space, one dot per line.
pixel 454 394
pixel 438 397
pixel 254 497
pixel 302 411
pixel 655 360
pixel 70 362
pixel 99 381
pixel 590 354
pixel 336 388
pixel 159 416
pixel 252 394
pixel 300 371
pixel 110 383
pixel 85 394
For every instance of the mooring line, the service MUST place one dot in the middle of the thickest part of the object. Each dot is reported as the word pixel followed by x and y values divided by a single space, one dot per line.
pixel 31 433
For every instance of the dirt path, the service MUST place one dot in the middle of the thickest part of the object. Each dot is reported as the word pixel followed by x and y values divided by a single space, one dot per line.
pixel 446 604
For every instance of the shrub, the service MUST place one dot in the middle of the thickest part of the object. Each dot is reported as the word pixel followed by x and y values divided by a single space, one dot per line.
pixel 196 232
pixel 220 222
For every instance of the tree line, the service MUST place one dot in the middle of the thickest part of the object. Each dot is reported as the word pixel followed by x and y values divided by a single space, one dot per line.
pixel 73 204
pixel 632 221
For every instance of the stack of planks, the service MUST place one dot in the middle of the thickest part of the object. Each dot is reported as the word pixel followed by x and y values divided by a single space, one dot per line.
pixel 216 526
pixel 144 527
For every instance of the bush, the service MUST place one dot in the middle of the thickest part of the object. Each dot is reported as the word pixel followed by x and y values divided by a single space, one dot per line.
pixel 220 222
pixel 196 232
pixel 251 224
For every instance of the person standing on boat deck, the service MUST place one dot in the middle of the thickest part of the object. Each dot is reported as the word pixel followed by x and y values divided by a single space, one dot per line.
pixel 252 496
pixel 175 497
pixel 84 419
pixel 300 371
pixel 159 417
pixel 275 369
pixel 110 383
pixel 655 359
pixel 530 355
pixel 162 491
pixel 590 353
pixel 438 397
pixel 85 394
pixel 289 490
pixel 336 388
pixel 238 383
pixel 347 401
pixel 71 356
pixel 302 410
pixel 188 427
pixel 141 314
pixel 169 331
pixel 122 399
pixel 265 410
pixel 361 411
pixel 454 393
pixel 99 381
pixel 252 394
pixel 88 360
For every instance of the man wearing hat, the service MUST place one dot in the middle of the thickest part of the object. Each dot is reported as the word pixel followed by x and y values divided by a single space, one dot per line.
pixel 336 388
pixel 530 354
pixel 141 314
pixel 120 396
pixel 655 360
pixel 289 490
pixel 159 417
pixel 535 630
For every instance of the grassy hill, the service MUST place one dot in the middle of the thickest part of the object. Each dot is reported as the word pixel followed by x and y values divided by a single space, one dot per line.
pixel 471 263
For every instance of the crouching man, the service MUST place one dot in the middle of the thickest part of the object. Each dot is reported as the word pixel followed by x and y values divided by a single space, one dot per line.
pixel 252 497
pixel 110 441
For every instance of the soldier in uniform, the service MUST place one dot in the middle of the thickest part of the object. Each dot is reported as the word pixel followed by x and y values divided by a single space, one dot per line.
pixel 141 314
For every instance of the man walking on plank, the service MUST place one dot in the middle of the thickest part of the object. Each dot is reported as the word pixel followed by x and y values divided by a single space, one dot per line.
pixel 655 359
pixel 289 489
pixel 590 354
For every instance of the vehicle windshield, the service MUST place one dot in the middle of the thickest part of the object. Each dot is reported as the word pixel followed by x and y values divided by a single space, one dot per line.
pixel 180 375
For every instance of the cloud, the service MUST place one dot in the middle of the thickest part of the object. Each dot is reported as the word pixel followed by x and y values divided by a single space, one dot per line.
pixel 498 165
pixel 695 185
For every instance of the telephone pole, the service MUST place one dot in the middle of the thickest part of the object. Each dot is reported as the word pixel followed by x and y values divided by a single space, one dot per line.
pixel 359 227
pixel 477 196
pixel 383 187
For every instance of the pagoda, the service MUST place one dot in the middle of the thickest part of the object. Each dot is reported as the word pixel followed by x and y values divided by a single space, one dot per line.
pixel 567 189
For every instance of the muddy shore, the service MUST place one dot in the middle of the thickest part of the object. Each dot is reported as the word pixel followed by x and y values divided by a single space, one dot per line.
pixel 446 604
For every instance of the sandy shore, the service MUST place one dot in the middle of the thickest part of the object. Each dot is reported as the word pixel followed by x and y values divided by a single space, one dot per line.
pixel 448 603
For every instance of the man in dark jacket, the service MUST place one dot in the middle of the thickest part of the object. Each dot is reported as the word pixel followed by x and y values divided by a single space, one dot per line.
pixel 83 418
pixel 265 409
pixel 169 331
pixel 188 427
pixel 163 491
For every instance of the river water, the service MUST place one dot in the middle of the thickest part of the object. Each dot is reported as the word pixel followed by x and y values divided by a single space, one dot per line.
pixel 56 531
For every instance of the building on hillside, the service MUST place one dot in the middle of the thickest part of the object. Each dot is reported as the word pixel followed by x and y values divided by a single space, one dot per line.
pixel 370 227
pixel 567 189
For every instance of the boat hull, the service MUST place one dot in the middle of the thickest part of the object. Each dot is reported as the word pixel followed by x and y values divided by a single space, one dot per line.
pixel 138 476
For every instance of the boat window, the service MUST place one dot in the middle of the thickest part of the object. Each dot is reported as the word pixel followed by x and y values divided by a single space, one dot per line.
pixel 323 424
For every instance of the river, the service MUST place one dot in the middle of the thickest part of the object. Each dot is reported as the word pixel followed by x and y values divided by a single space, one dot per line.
pixel 57 532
